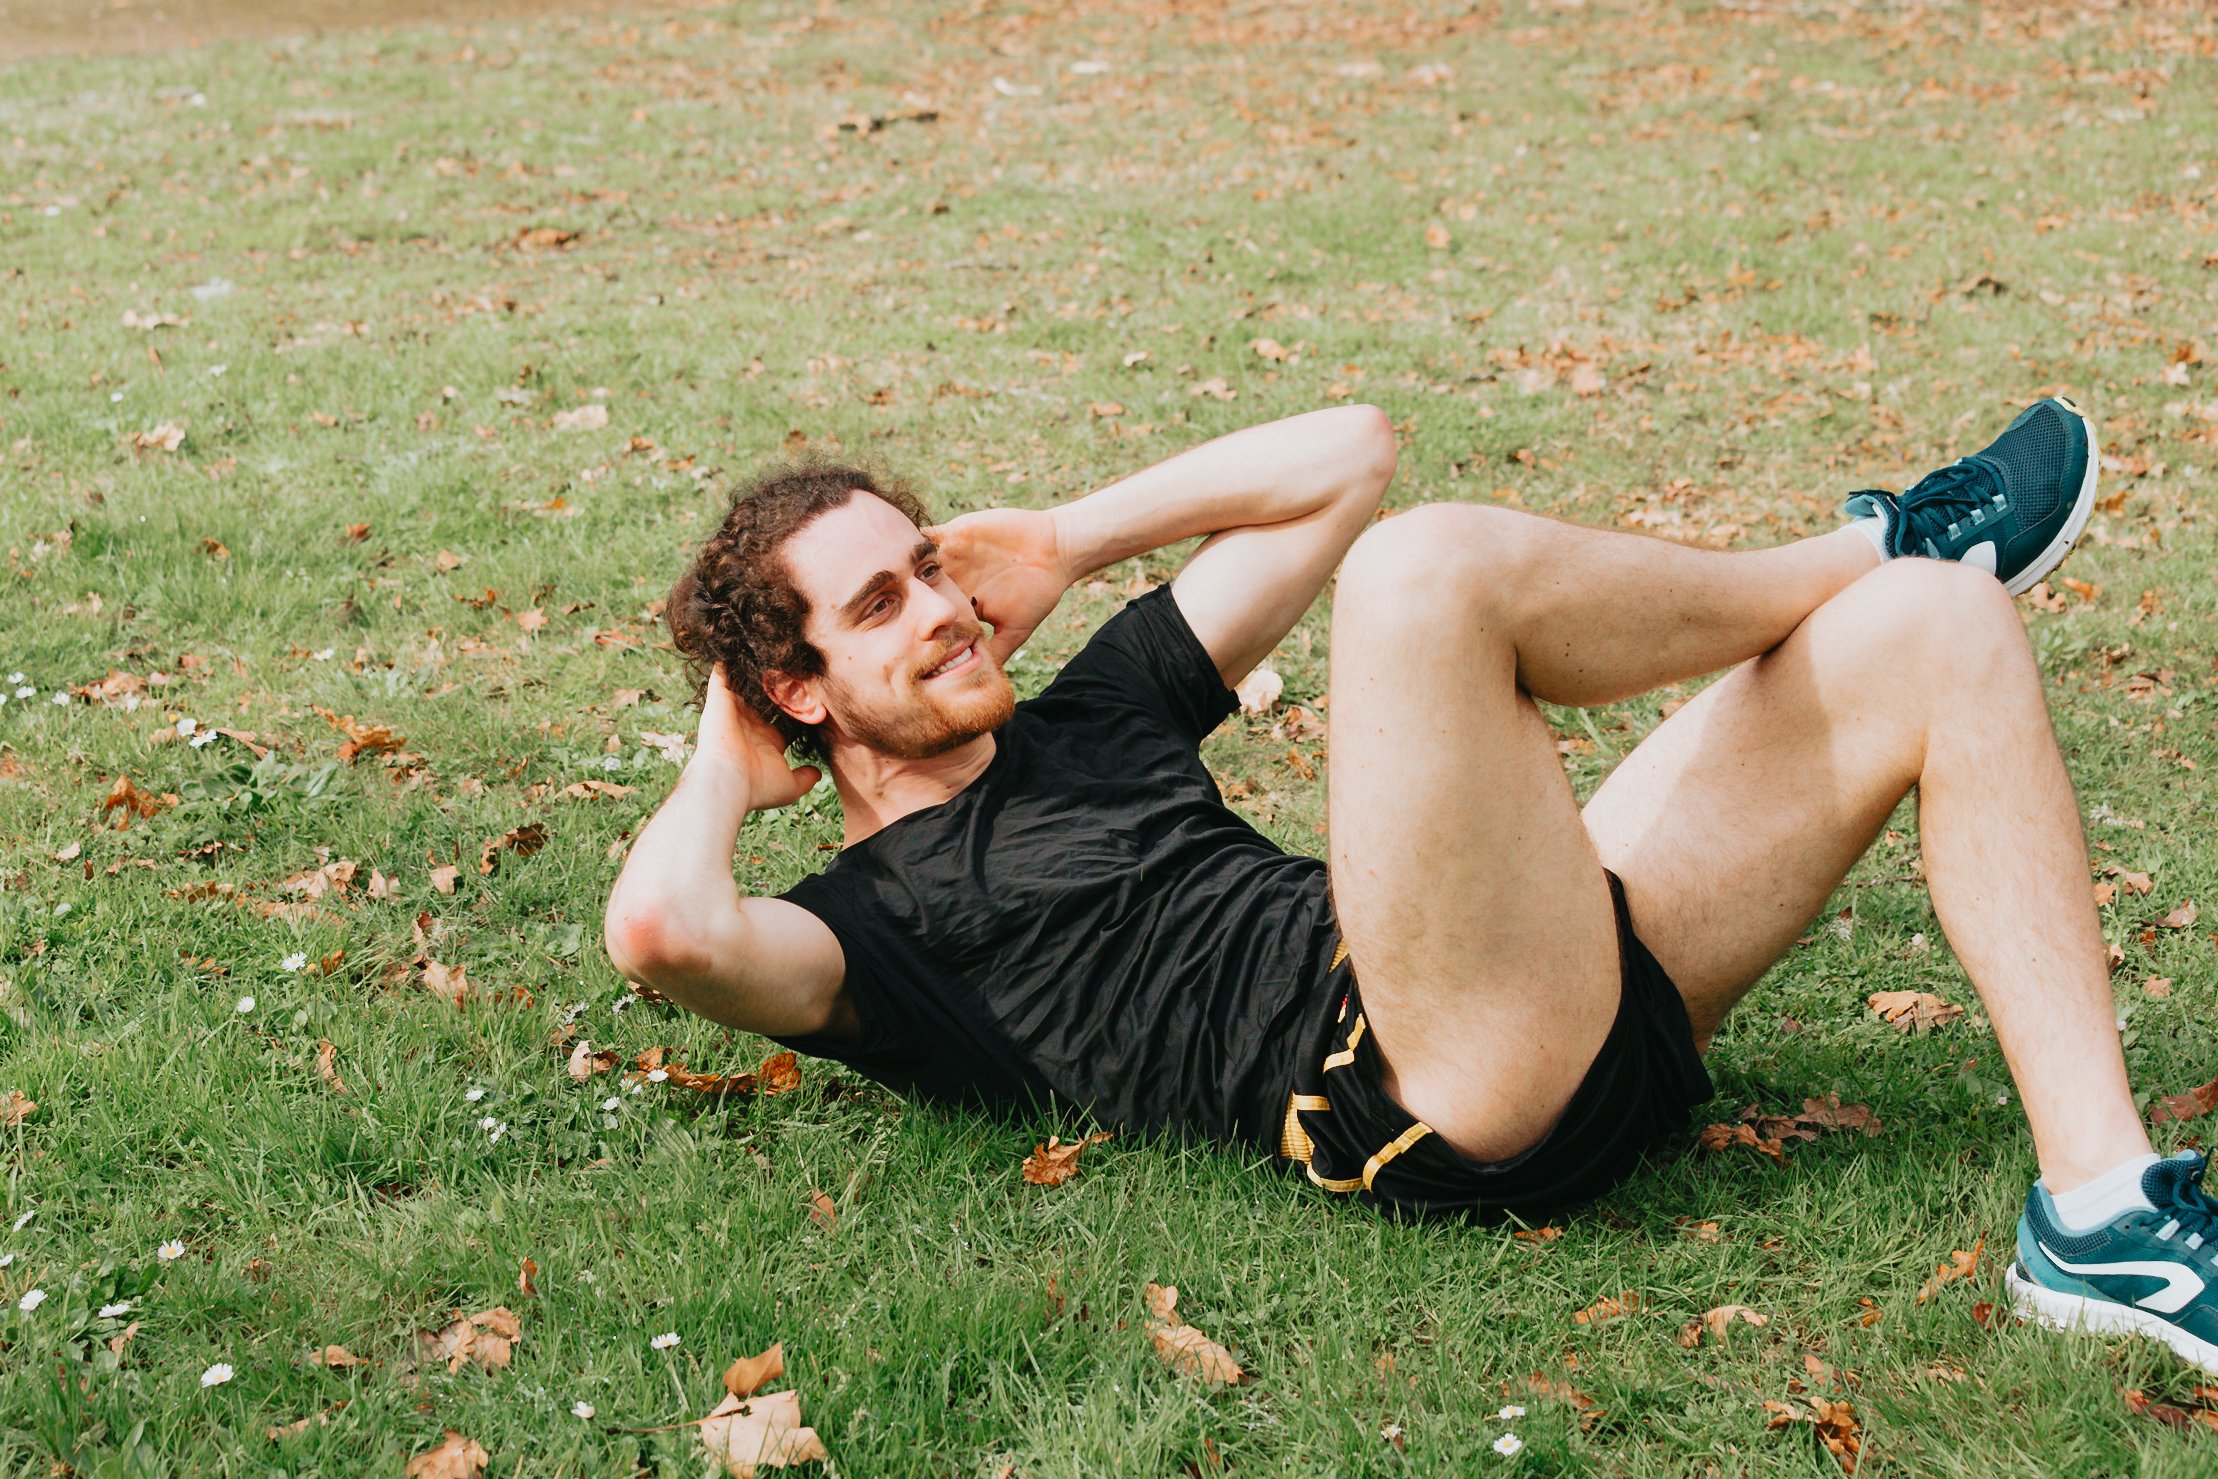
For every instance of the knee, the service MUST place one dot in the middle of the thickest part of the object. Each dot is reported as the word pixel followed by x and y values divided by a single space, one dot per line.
pixel 1960 617
pixel 1457 553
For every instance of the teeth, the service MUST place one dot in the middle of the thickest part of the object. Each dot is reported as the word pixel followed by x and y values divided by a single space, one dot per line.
pixel 954 661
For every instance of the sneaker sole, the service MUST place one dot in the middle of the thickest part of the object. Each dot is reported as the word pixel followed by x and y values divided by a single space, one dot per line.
pixel 2039 569
pixel 2061 1311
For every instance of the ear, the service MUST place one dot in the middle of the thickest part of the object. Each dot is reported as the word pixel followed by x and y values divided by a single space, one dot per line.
pixel 796 696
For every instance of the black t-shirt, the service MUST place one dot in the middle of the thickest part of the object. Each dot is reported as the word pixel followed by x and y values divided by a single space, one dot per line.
pixel 1087 921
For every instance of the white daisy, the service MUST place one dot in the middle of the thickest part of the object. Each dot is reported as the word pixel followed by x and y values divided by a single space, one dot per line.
pixel 658 1075
pixel 497 1132
pixel 26 691
pixel 218 1374
pixel 61 698
pixel 170 1251
pixel 611 1104
pixel 611 762
pixel 294 961
pixel 37 1297
pixel 474 1094
pixel 15 677
pixel 185 727
pixel 325 655
pixel 623 1003
pixel 1510 1413
pixel 1509 1445
pixel 487 1123
pixel 202 740
pixel 582 1409
pixel 6 1259
pixel 246 1004
pixel 662 1342
pixel 114 1311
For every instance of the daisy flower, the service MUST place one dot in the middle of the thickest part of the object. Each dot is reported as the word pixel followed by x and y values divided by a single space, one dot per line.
pixel 170 1251
pixel 218 1374
pixel 114 1311
pixel 582 1410
pixel 1510 1413
pixel 246 1004
pixel 37 1297
pixel 662 1342
pixel 294 961
pixel 1509 1445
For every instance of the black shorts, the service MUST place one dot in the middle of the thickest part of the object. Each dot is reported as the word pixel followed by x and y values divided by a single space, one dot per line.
pixel 1351 1138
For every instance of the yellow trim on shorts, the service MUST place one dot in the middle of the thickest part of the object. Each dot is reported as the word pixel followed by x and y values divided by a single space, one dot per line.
pixel 1315 1103
pixel 1346 1055
pixel 1393 1148
pixel 1339 953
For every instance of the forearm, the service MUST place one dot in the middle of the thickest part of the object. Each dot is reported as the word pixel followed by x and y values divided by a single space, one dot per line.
pixel 677 880
pixel 1261 475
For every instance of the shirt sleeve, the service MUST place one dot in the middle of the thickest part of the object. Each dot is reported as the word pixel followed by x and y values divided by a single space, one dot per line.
pixel 1146 661
pixel 892 1046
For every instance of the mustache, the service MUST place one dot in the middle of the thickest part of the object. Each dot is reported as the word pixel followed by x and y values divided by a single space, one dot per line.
pixel 976 635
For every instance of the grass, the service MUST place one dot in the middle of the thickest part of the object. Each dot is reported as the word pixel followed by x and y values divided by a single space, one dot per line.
pixel 1804 249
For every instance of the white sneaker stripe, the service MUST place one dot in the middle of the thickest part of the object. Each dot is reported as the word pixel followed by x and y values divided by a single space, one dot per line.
pixel 2180 1284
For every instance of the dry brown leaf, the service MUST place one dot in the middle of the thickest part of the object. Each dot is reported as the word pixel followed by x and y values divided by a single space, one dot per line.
pixel 337 1357
pixel 592 416
pixel 1835 1423
pixel 1607 1308
pixel 2180 918
pixel 118 1342
pixel 2193 1104
pixel 69 853
pixel 361 738
pixel 746 1435
pixel 279 1432
pixel 1054 1163
pixel 584 1062
pixel 455 1458
pixel 450 983
pixel 443 877
pixel 16 1108
pixel 1721 1137
pixel 522 841
pixel 588 790
pixel 1726 1316
pixel 127 798
pixel 823 1211
pixel 527 1279
pixel 327 1069
pixel 750 1374
pixel 1960 1265
pixel 214 548
pixel 356 533
pixel 1182 1346
pixel 487 1338
pixel 1913 1011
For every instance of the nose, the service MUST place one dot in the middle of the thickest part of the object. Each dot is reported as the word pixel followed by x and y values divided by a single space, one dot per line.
pixel 938 606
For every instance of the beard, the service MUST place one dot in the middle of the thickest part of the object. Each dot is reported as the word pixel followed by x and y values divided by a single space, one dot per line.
pixel 934 722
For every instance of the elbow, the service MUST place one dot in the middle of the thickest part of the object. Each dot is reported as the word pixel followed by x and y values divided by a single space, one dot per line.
pixel 645 944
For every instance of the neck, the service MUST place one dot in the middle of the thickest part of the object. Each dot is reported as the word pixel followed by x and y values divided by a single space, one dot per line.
pixel 877 790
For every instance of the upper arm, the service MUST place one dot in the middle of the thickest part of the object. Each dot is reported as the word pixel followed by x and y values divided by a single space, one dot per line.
pixel 1244 589
pixel 769 966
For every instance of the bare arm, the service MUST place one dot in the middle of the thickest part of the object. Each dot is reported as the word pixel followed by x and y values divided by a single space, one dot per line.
pixel 676 919
pixel 1280 502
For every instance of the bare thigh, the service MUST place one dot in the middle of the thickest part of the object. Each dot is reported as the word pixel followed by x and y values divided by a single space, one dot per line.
pixel 1736 819
pixel 1472 900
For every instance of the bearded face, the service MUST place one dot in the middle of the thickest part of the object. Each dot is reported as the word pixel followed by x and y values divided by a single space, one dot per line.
pixel 906 670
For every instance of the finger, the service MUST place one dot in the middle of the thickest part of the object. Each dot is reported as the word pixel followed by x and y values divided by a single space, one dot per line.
pixel 1005 641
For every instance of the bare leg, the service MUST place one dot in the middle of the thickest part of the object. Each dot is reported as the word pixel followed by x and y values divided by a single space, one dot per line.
pixel 1735 820
pixel 1472 899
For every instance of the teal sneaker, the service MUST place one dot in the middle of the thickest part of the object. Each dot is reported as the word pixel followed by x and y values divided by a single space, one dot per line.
pixel 2012 509
pixel 2146 1273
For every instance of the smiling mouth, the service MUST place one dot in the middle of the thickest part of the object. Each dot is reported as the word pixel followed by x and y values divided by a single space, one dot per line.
pixel 955 664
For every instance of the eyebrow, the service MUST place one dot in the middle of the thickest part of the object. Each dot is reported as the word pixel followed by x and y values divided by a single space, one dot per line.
pixel 853 610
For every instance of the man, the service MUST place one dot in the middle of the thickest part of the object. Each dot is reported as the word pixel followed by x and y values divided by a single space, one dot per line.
pixel 1049 899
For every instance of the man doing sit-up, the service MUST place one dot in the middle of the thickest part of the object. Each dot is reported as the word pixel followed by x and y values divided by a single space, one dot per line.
pixel 1484 998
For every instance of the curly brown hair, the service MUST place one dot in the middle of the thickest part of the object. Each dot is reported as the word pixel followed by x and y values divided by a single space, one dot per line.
pixel 738 604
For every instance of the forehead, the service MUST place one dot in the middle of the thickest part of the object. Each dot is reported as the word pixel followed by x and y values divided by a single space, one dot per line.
pixel 836 552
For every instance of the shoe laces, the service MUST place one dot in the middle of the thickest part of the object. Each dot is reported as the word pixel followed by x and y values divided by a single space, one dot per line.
pixel 1950 493
pixel 2193 1208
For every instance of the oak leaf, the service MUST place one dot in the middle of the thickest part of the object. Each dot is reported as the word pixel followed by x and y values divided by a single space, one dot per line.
pixel 1054 1163
pixel 126 797
pixel 1960 1264
pixel 487 1338
pixel 1718 1321
pixel 2181 918
pixel 1607 1308
pixel 584 1062
pixel 327 1068
pixel 522 841
pixel 750 1434
pixel 1185 1348
pixel 455 1458
pixel 16 1108
pixel 1721 1137
pixel 1913 1011
pixel 2193 1104
pixel 750 1374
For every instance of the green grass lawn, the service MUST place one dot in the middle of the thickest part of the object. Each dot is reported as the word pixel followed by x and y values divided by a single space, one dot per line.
pixel 384 379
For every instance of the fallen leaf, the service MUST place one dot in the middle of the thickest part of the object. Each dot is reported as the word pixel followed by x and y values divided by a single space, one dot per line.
pixel 1960 1265
pixel 1269 349
pixel 1835 1422
pixel 450 983
pixel 1718 1321
pixel 127 798
pixel 1215 388
pixel 16 1108
pixel 2180 918
pixel 214 548
pixel 1260 689
pixel 1054 1163
pixel 584 1062
pixel 327 1069
pixel 121 1340
pixel 1586 378
pixel 356 533
pixel 587 790
pixel 279 1432
pixel 166 437
pixel 336 1357
pixel 1182 1346
pixel 1913 1010
pixel 523 841
pixel 456 1458
pixel 823 1211
pixel 1722 1137
pixel 361 738
pixel 443 877
pixel 2193 1104
pixel 750 1374
pixel 1607 1308
pixel 69 853
pixel 749 1434
pixel 487 1338
pixel 527 1279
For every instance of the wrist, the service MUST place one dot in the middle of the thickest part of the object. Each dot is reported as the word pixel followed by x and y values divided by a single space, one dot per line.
pixel 717 784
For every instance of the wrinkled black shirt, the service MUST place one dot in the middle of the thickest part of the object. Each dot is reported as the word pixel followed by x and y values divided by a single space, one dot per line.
pixel 1087 921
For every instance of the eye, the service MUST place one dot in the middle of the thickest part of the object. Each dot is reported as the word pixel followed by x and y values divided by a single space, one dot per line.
pixel 931 570
pixel 879 606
